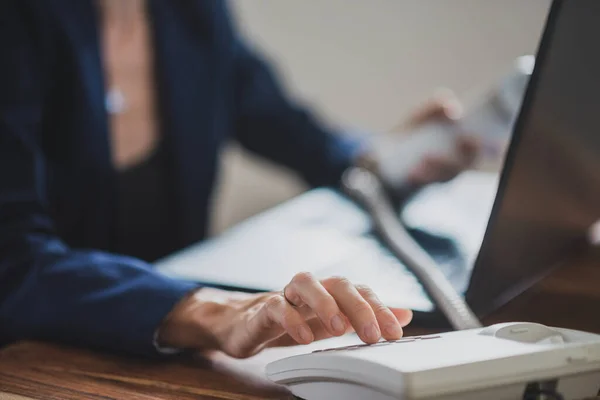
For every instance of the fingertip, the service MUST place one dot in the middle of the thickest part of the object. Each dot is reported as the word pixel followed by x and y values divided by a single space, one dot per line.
pixel 403 315
pixel 447 100
pixel 453 110
pixel 338 325
pixel 371 333
pixel 393 331
pixel 305 335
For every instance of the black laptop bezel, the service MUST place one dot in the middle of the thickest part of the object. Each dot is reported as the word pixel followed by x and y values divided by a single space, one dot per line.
pixel 481 309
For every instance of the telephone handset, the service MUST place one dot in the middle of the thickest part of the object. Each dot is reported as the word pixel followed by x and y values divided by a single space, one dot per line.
pixel 365 188
pixel 490 120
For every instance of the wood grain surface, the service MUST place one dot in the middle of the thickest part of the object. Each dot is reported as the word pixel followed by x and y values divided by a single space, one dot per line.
pixel 568 298
pixel 51 372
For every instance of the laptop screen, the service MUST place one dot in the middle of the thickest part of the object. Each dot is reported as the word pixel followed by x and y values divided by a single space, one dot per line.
pixel 549 192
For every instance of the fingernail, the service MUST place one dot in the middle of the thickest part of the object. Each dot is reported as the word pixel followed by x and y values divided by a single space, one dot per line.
pixel 338 324
pixel 305 334
pixel 372 332
pixel 393 330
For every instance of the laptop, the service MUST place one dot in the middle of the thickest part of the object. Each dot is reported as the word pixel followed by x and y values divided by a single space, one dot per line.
pixel 493 236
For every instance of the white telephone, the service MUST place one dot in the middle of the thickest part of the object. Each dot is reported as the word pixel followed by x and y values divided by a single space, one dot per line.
pixel 510 361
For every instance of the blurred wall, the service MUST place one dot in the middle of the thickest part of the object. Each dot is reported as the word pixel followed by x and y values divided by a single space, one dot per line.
pixel 338 55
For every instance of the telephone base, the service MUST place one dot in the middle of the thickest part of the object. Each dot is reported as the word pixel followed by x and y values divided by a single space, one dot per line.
pixel 510 361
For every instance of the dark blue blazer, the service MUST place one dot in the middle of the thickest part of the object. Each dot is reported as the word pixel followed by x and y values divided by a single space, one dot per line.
pixel 59 279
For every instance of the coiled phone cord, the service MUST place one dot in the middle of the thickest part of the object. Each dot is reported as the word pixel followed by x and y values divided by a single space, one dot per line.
pixel 365 188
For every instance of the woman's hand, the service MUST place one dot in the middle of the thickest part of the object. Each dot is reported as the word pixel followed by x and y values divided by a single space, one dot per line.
pixel 443 107
pixel 432 168
pixel 242 325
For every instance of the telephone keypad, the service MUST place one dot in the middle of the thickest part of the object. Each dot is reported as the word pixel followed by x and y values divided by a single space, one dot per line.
pixel 378 344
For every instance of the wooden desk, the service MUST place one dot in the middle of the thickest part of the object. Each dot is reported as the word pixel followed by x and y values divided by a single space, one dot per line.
pixel 569 298
pixel 42 371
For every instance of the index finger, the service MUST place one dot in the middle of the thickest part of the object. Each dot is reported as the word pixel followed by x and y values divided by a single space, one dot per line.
pixel 358 311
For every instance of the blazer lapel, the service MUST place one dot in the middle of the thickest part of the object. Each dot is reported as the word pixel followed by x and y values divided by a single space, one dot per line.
pixel 91 144
pixel 185 69
pixel 80 19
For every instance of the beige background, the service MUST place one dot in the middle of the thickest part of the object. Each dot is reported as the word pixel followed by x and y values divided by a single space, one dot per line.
pixel 338 55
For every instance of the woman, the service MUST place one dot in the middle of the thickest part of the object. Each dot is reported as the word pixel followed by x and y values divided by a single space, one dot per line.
pixel 112 117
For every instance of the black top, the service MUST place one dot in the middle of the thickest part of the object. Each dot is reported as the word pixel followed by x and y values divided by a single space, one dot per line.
pixel 144 220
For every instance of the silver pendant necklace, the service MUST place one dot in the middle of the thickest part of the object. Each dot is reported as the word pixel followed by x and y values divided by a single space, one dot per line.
pixel 116 102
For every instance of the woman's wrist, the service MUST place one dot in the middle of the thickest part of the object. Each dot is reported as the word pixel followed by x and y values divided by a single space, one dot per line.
pixel 195 322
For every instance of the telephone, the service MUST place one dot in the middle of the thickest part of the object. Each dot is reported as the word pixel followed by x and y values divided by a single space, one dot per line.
pixel 499 362
pixel 505 361
pixel 513 361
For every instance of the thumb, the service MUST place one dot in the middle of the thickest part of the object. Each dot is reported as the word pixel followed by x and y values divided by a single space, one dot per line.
pixel 444 105
pixel 403 315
